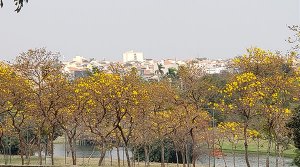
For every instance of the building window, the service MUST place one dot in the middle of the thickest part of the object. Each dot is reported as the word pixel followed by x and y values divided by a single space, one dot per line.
pixel 135 57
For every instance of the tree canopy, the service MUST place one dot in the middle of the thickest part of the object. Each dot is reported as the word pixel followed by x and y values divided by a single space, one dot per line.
pixel 191 115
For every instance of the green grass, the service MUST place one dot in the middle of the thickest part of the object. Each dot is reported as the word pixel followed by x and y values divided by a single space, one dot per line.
pixel 252 147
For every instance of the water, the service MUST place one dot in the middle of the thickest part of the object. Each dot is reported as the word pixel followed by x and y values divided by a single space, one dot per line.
pixel 87 151
pixel 240 161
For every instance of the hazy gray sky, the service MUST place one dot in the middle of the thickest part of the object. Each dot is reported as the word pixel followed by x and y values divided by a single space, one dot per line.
pixel 159 28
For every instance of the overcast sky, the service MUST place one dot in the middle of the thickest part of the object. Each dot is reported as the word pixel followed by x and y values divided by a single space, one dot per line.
pixel 182 29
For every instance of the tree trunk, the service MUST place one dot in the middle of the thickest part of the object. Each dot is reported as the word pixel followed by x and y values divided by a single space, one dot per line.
pixel 268 152
pixel 27 148
pixel 194 162
pixel 111 162
pixel 39 143
pixel 257 152
pixel 52 148
pixel 162 159
pixel 91 154
pixel 187 155
pixel 21 147
pixel 138 160
pixel 282 157
pixel 123 149
pixel 209 152
pixel 127 155
pixel 183 158
pixel 72 145
pixel 277 153
pixel 29 154
pixel 46 150
pixel 177 164
pixel 102 155
pixel 193 152
pixel 233 153
pixel 133 158
pixel 223 157
pixel 146 155
pixel 4 152
pixel 118 156
pixel 246 145
pixel 22 156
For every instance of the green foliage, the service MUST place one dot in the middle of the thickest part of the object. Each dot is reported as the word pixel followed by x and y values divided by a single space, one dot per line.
pixel 160 71
pixel 294 125
pixel 9 145
pixel 155 153
pixel 172 73
pixel 93 71
pixel 297 159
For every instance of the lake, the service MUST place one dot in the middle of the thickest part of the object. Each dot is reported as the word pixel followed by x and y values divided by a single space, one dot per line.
pixel 87 151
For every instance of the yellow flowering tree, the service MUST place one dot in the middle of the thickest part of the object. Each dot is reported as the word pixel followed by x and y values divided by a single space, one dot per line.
pixel 116 101
pixel 44 71
pixel 69 116
pixel 273 80
pixel 241 97
pixel 15 92
pixel 197 89
pixel 233 132
pixel 95 94
pixel 155 121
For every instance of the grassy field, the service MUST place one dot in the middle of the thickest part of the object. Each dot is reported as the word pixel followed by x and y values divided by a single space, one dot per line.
pixel 289 152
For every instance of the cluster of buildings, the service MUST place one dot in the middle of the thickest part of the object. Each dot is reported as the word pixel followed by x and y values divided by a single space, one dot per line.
pixel 147 68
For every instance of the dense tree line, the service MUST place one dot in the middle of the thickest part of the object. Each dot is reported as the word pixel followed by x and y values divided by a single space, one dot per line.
pixel 185 115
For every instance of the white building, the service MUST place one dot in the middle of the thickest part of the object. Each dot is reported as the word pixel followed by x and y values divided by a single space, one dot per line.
pixel 215 70
pixel 133 56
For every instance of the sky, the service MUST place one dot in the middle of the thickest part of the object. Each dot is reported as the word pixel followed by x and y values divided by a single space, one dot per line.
pixel 181 29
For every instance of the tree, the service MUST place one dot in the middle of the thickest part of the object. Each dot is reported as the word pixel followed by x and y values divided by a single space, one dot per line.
pixel 44 71
pixel 116 100
pixel 197 90
pixel 295 39
pixel 194 86
pixel 98 91
pixel 196 122
pixel 19 4
pixel 294 125
pixel 241 96
pixel 275 81
pixel 161 121
pixel 172 74
pixel 233 132
pixel 128 100
pixel 70 115
pixel 15 96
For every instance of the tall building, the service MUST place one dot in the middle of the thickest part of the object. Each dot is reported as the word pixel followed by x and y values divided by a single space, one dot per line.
pixel 133 56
